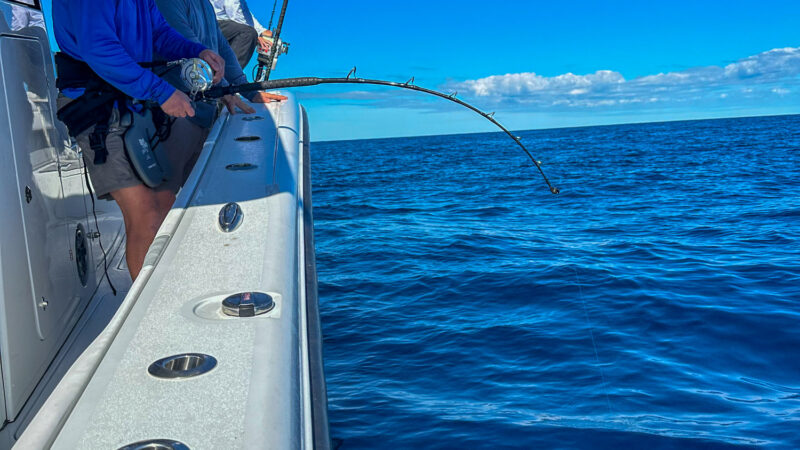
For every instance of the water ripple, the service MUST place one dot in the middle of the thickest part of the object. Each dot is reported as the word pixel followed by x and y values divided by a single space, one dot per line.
pixel 653 304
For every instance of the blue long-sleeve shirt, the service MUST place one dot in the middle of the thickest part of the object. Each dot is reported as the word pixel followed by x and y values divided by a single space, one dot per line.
pixel 113 36
pixel 195 20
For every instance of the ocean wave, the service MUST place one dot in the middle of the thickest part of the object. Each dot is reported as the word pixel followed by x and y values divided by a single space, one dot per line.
pixel 653 303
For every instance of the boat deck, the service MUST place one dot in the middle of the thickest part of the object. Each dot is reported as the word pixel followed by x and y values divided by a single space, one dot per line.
pixel 260 393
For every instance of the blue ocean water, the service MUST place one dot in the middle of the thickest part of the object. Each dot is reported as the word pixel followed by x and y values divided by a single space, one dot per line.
pixel 655 303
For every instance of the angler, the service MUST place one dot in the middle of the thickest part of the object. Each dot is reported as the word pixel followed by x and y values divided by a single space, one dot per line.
pixel 102 86
pixel 242 30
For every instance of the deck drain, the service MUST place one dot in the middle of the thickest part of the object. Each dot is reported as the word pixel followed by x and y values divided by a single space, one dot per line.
pixel 186 365
pixel 252 118
pixel 240 167
pixel 156 444
pixel 248 138
pixel 248 304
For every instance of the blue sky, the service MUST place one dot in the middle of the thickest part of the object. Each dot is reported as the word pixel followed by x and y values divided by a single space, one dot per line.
pixel 446 44
pixel 540 64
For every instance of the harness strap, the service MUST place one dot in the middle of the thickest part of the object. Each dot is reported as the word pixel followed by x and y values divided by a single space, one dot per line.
pixel 97 141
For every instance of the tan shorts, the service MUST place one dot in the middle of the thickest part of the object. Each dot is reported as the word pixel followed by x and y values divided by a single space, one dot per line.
pixel 183 147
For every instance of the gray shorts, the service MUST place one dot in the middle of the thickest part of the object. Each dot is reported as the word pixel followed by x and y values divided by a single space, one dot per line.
pixel 183 147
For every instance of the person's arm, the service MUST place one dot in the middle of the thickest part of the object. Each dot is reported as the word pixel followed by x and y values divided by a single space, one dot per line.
pixel 171 45
pixel 256 24
pixel 168 42
pixel 238 12
pixel 100 47
pixel 176 14
pixel 235 76
pixel 232 9
pixel 233 71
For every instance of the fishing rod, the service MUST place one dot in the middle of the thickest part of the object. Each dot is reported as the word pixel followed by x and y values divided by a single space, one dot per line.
pixel 272 16
pixel 266 62
pixel 219 91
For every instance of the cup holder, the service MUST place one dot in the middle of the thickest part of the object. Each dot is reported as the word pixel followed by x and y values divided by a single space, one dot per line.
pixel 252 118
pixel 156 444
pixel 186 365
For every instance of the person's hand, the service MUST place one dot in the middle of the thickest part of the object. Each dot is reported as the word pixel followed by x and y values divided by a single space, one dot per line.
pixel 264 44
pixel 264 97
pixel 178 105
pixel 233 101
pixel 216 62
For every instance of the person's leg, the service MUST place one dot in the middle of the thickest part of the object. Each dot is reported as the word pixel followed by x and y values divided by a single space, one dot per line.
pixel 183 147
pixel 143 217
pixel 242 38
pixel 164 200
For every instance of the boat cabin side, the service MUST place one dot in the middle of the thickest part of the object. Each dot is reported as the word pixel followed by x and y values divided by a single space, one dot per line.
pixel 50 255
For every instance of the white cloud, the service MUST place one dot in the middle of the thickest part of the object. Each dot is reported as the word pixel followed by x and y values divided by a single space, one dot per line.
pixel 774 71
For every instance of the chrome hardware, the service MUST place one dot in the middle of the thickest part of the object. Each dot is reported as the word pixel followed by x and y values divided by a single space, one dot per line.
pixel 239 167
pixel 197 75
pixel 28 194
pixel 230 217
pixel 93 235
pixel 248 304
pixel 156 444
pixel 81 251
pixel 247 138
pixel 187 365
pixel 43 304
pixel 252 118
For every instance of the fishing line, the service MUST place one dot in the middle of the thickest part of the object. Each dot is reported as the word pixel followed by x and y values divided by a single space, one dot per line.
pixel 97 225
pixel 220 91
pixel 594 343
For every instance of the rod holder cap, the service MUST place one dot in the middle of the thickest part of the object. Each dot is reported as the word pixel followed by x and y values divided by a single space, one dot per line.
pixel 248 304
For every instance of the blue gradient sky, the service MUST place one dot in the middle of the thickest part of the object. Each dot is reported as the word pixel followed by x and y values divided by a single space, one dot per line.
pixel 445 42
pixel 449 44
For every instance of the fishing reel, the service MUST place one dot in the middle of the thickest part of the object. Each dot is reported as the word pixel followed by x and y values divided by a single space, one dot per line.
pixel 282 48
pixel 264 62
pixel 196 74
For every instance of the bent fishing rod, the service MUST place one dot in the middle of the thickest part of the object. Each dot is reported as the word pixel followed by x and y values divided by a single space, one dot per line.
pixel 219 91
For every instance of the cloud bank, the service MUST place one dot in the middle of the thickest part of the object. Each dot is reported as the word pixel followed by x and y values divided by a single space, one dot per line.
pixel 775 73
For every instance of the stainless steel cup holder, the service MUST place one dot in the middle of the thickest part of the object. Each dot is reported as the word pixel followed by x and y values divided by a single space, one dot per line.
pixel 247 138
pixel 156 444
pixel 252 118
pixel 186 365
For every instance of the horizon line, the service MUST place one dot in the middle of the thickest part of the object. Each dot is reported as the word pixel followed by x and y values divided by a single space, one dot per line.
pixel 558 128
